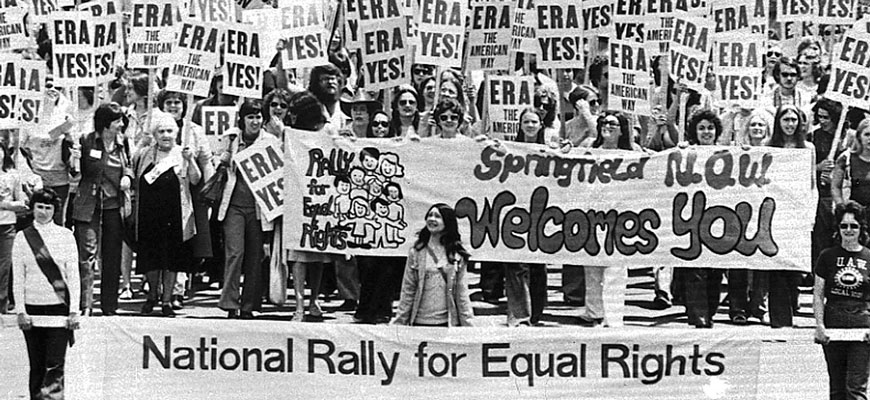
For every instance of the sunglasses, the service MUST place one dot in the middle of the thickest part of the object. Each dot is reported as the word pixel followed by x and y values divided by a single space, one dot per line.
pixel 445 118
pixel 277 104
pixel 384 124
pixel 788 74
pixel 594 102
pixel 774 54
pixel 421 72
pixel 407 102
pixel 850 226
pixel 614 124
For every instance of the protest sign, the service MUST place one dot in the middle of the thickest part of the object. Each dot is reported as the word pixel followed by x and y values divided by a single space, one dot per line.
pixel 213 10
pixel 702 207
pixel 152 33
pixel 107 37
pixel 217 120
pixel 20 91
pixel 658 23
pixel 441 26
pixel 850 70
pixel 525 22
pixel 831 12
pixel 738 52
pixel 690 49
pixel 792 32
pixel 351 25
pixel 559 33
pixel 794 10
pixel 489 38
pixel 256 4
pixel 397 362
pixel 384 47
pixel 629 82
pixel 597 17
pixel 195 56
pixel 13 36
pixel 506 97
pixel 262 167
pixel 243 66
pixel 72 48
pixel 304 31
pixel 42 8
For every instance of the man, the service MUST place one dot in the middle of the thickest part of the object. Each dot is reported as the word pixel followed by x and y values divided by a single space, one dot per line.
pixel 787 70
pixel 325 84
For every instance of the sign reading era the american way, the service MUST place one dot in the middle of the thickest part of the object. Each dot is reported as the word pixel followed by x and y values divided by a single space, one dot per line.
pixel 196 55
pixel 700 207
pixel 152 33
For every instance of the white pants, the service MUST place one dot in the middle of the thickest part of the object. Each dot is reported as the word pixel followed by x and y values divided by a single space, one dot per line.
pixel 605 294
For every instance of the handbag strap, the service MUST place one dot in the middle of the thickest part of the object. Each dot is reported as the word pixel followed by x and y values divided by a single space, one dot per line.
pixel 46 263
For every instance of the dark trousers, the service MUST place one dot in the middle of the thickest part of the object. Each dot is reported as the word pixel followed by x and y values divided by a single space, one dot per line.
pixel 823 229
pixel 243 245
pixel 46 351
pixel 526 287
pixel 783 297
pixel 848 366
pixel 703 287
pixel 380 277
pixel 7 238
pixel 492 280
pixel 747 291
pixel 100 239
pixel 59 212
pixel 574 284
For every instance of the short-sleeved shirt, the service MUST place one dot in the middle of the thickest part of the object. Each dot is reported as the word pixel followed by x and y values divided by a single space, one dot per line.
pixel 860 173
pixel 846 275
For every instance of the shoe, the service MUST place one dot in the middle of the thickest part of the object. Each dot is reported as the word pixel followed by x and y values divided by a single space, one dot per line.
pixel 365 321
pixel 315 311
pixel 126 294
pixel 661 303
pixel 299 316
pixel 167 310
pixel 177 303
pixel 111 313
pixel 233 314
pixel 587 320
pixel 348 305
pixel 385 319
pixel 148 307
pixel 739 320
pixel 246 315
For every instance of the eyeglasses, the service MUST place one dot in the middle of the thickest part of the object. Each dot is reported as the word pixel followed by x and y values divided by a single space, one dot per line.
pixel 328 78
pixel 788 74
pixel 384 124
pixel 421 72
pixel 277 104
pixel 774 54
pixel 407 102
pixel 850 226
pixel 445 118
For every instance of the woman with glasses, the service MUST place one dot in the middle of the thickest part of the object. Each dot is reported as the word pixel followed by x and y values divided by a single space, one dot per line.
pixel 774 53
pixel 580 130
pixel 405 121
pixel 380 125
pixel 448 115
pixel 275 114
pixel 810 72
pixel 841 297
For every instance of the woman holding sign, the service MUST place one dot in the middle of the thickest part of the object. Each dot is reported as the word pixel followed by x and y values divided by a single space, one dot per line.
pixel 406 119
pixel 841 300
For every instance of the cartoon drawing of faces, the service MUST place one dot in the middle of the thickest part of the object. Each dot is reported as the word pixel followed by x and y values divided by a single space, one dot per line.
pixel 394 192
pixel 359 207
pixel 389 166
pixel 342 185
pixel 375 188
pixel 381 207
pixel 369 158
pixel 357 176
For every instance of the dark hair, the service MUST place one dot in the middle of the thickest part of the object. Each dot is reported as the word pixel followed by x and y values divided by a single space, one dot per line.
pixel 106 114
pixel 421 93
pixel 370 132
pixel 379 200
pixel 521 136
pixel 856 209
pixel 372 152
pixel 307 111
pixel 777 139
pixel 787 61
pixel 281 94
pixel 342 62
pixel 596 69
pixel 88 93
pixel 318 72
pixel 45 196
pixel 445 105
pixel 692 126
pixel 451 239
pixel 250 106
pixel 832 107
pixel 139 82
pixel 397 186
pixel 457 84
pixel 166 95
pixel 624 141
pixel 8 159
pixel 395 120
pixel 340 178
pixel 549 118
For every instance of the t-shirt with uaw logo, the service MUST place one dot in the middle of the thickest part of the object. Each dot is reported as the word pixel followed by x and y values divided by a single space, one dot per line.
pixel 845 273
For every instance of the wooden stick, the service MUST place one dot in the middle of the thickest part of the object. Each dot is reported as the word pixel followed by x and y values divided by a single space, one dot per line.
pixel 839 134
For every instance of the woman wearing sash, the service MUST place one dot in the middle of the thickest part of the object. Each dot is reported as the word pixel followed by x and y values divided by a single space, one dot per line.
pixel 47 289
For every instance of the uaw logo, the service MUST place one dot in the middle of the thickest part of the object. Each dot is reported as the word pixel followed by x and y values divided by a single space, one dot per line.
pixel 849 278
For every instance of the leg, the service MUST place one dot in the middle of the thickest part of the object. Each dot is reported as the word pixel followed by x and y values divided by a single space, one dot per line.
pixel 615 280
pixel 369 279
pixel 315 275
pixel 781 299
pixel 299 272
pixel 738 294
pixel 62 192
pixel 836 354
pixel 110 275
pixel 858 358
pixel 594 277
pixel 664 277
pixel 7 238
pixel 55 356
pixel 573 285
pixel 36 349
pixel 714 292
pixel 252 291
pixel 491 281
pixel 234 250
pixel 696 296
pixel 538 290
pixel 126 268
pixel 758 293
pixel 519 300
pixel 348 281
pixel 168 282
pixel 87 236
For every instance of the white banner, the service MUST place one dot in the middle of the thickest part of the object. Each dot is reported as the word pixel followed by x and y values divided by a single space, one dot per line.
pixel 719 207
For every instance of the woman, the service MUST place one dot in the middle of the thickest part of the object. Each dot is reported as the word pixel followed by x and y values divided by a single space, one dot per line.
pixel 580 130
pixel 12 200
pixel 406 119
pixel 840 301
pixel 244 223
pixel 275 112
pixel 380 125
pixel 192 137
pixel 106 174
pixel 47 305
pixel 164 211
pixel 434 286
pixel 758 130
pixel 426 100
pixel 854 165
pixel 810 73
pixel 448 117
pixel 789 131
pixel 138 110
pixel 360 108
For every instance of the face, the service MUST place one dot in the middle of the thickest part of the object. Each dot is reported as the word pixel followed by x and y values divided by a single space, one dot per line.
pixel 278 107
pixel 789 122
pixel 849 227
pixel 773 55
pixel 448 121
pixel 434 222
pixel 165 137
pixel 449 90
pixel 329 84
pixel 131 94
pixel 407 104
pixel 706 132
pixel 42 213
pixel 369 162
pixel 757 128
pixel 381 125
pixel 360 209
pixel 253 122
pixel 806 68
pixel 388 169
pixel 812 54
pixel 863 136
pixel 392 193
pixel 343 187
pixel 530 124
pixel 375 189
pixel 381 210
pixel 174 107
pixel 825 121
pixel 610 130
pixel 420 74
pixel 116 126
pixel 788 76
pixel 429 90
pixel 360 114
pixel 357 176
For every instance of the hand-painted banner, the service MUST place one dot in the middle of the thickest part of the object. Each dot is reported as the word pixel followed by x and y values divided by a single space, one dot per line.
pixel 21 92
pixel 442 32
pixel 13 36
pixel 152 33
pixel 505 98
pixel 489 36
pixel 262 166
pixel 560 33
pixel 629 83
pixel 794 10
pixel 690 49
pixel 831 12
pixel 850 70
pixel 107 37
pixel 42 8
pixel 196 56
pixel 701 207
pixel 384 47
pixel 738 52
pixel 213 10
pixel 72 48
pixel 129 357
pixel 304 33
pixel 597 17
pixel 243 67
pixel 216 120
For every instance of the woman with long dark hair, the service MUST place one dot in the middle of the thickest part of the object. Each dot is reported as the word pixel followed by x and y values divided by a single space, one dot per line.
pixel 12 199
pixel 434 287
pixel 406 117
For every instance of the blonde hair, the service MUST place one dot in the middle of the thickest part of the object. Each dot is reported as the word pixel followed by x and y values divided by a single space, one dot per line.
pixel 765 116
